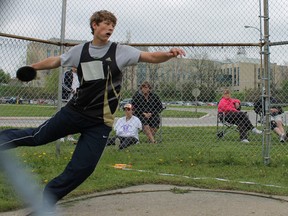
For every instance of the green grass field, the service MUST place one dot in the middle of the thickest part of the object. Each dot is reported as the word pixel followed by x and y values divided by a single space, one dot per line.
pixel 194 158
pixel 8 110
pixel 176 161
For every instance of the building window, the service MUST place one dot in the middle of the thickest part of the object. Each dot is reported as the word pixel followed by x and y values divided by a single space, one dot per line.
pixel 235 77
pixel 238 76
pixel 48 53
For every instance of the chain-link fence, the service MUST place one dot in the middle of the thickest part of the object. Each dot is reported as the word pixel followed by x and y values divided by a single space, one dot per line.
pixel 223 41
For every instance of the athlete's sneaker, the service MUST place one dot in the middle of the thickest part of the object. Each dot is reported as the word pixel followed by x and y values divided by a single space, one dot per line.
pixel 62 140
pixel 282 138
pixel 256 131
pixel 245 141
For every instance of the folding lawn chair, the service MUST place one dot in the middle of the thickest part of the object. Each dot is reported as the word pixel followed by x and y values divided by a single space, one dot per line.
pixel 224 127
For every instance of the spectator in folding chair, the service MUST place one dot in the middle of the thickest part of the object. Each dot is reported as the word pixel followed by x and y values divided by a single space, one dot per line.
pixel 277 116
pixel 127 129
pixel 147 107
pixel 231 108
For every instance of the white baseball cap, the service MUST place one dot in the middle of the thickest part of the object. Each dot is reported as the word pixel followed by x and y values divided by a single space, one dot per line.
pixel 128 105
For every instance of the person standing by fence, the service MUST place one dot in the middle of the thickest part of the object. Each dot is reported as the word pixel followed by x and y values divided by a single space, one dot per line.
pixel 147 107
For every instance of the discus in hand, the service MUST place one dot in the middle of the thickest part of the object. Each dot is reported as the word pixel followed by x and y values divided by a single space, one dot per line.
pixel 26 73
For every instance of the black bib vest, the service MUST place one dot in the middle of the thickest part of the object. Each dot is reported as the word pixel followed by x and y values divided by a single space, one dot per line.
pixel 97 99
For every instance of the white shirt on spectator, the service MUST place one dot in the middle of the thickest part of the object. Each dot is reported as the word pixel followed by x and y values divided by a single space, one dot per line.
pixel 128 128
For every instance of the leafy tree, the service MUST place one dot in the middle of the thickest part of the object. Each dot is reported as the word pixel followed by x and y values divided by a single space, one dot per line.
pixel 187 89
pixel 4 77
pixel 283 92
pixel 51 83
pixel 206 72
pixel 167 91
pixel 207 94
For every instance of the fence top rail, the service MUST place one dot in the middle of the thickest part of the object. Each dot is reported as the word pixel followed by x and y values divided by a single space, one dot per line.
pixel 59 43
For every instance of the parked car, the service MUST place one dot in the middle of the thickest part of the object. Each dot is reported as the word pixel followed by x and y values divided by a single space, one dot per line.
pixel 189 103
pixel 129 100
pixel 13 100
pixel 4 99
pixel 200 103
pixel 179 103
pixel 164 106
pixel 247 104
pixel 212 104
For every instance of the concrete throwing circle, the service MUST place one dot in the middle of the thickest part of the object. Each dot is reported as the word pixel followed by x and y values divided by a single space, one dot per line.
pixel 169 200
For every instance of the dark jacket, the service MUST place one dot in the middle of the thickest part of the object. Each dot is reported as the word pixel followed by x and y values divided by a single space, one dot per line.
pixel 140 105
pixel 258 107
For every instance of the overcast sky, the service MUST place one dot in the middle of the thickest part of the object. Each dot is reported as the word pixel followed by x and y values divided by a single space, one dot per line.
pixel 148 21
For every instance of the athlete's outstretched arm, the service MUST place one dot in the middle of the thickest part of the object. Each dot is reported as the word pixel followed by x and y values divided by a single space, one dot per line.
pixel 159 56
pixel 48 63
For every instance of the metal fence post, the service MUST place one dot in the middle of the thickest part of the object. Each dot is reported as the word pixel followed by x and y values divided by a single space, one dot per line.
pixel 267 134
pixel 59 96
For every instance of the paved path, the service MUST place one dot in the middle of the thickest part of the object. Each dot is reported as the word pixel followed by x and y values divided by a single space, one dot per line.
pixel 207 120
pixel 160 200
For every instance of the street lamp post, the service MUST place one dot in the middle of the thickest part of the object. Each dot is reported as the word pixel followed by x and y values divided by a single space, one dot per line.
pixel 264 42
pixel 261 61
pixel 261 40
pixel 266 139
pixel 261 36
pixel 261 43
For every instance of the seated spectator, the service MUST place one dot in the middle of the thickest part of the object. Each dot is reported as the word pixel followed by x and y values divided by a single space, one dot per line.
pixel 276 114
pixel 231 108
pixel 147 107
pixel 127 129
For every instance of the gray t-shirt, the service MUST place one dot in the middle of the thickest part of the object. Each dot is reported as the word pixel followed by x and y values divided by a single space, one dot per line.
pixel 125 55
pixel 100 78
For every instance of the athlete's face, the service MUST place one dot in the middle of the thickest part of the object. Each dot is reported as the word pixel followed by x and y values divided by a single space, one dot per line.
pixel 103 30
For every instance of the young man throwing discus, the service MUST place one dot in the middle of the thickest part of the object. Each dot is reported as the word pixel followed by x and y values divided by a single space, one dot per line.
pixel 90 112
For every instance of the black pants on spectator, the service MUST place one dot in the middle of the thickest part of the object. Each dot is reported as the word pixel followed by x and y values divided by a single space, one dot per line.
pixel 242 121
pixel 124 141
